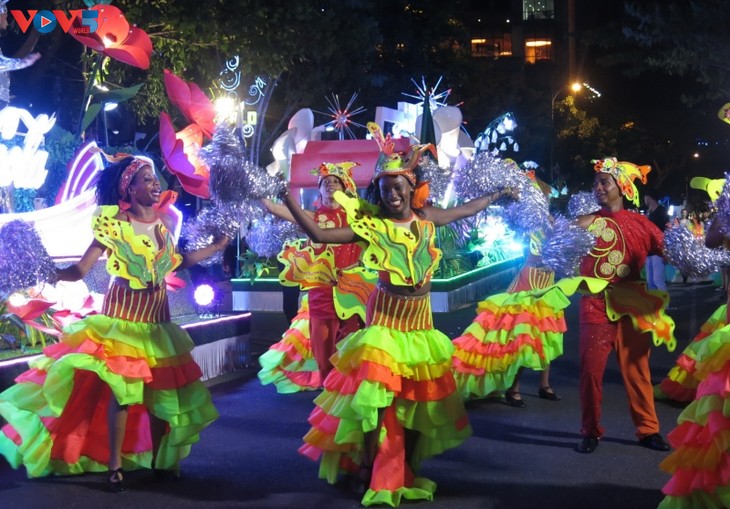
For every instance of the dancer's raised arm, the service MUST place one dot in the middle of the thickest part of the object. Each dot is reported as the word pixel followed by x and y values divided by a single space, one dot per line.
pixel 342 235
pixel 441 217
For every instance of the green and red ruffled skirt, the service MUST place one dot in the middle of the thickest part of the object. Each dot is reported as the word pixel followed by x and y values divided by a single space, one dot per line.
pixel 393 377
pixel 700 463
pixel 57 410
pixel 289 364
pixel 518 328
pixel 680 384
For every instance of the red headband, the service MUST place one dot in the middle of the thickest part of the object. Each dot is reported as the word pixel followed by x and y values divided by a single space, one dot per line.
pixel 128 174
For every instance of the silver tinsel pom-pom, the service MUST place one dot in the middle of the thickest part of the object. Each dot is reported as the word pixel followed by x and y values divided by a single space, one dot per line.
pixel 268 234
pixel 564 246
pixel 438 179
pixel 24 262
pixel 689 255
pixel 581 204
pixel 212 223
pixel 486 174
pixel 233 178
pixel 530 212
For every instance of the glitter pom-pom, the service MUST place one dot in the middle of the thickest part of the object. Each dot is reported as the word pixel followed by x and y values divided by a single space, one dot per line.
pixel 24 261
pixel 565 245
pixel 438 179
pixel 212 223
pixel 233 178
pixel 689 255
pixel 581 204
pixel 268 234
pixel 486 174
pixel 531 211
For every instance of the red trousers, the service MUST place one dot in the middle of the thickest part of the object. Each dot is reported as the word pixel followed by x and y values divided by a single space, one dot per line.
pixel 632 353
pixel 324 333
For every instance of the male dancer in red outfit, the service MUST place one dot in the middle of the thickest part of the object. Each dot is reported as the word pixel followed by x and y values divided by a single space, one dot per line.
pixel 623 241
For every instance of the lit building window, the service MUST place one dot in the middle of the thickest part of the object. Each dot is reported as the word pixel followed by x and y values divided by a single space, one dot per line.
pixel 538 49
pixel 492 47
pixel 538 9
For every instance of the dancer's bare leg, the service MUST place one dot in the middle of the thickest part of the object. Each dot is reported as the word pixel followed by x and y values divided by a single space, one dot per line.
pixel 117 423
pixel 512 395
pixel 545 377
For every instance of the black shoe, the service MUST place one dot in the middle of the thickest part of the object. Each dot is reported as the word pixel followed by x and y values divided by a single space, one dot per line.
pixel 548 393
pixel 655 442
pixel 115 481
pixel 511 400
pixel 587 445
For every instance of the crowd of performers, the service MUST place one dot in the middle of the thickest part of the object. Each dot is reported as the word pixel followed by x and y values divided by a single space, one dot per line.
pixel 362 422
pixel 121 391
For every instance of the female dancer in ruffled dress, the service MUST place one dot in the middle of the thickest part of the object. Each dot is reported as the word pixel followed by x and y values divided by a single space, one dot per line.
pixel 512 331
pixel 121 389
pixel 700 463
pixel 390 401
pixel 338 288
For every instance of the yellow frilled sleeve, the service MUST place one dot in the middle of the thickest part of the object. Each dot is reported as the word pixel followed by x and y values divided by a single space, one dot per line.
pixel 132 256
pixel 409 254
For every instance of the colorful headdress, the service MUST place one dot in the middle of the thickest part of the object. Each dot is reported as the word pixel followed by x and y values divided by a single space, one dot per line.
pixel 342 171
pixel 724 113
pixel 713 187
pixel 624 174
pixel 391 162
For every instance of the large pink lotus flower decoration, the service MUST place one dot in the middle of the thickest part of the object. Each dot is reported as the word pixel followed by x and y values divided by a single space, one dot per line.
pixel 115 38
pixel 191 101
pixel 180 149
pixel 180 152
pixel 28 310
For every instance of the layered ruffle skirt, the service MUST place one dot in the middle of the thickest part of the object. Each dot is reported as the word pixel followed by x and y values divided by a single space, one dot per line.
pixel 393 377
pixel 515 329
pixel 680 384
pixel 700 463
pixel 57 412
pixel 289 364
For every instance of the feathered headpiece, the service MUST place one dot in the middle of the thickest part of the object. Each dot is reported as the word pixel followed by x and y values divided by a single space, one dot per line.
pixel 342 171
pixel 391 162
pixel 624 173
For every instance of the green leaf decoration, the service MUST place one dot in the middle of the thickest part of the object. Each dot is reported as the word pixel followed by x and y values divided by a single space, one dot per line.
pixel 91 112
pixel 117 95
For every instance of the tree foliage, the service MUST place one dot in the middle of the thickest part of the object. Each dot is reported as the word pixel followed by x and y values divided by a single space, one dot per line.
pixel 682 38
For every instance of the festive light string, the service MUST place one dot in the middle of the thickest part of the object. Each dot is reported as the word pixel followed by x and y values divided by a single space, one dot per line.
pixel 230 81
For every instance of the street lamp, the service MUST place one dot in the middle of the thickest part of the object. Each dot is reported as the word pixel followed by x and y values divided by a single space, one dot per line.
pixel 575 87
